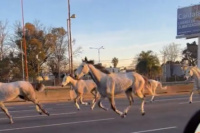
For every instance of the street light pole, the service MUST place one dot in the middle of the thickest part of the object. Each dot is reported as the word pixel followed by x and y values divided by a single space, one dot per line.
pixel 98 51
pixel 24 42
pixel 22 61
pixel 70 50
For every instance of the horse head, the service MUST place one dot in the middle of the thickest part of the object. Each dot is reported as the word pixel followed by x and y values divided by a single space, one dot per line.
pixel 81 70
pixel 188 73
pixel 65 80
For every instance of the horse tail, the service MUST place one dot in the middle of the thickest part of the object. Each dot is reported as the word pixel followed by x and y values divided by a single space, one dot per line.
pixel 161 87
pixel 38 86
pixel 147 84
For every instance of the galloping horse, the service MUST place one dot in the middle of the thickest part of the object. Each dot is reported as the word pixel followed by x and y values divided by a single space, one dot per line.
pixel 109 85
pixel 23 90
pixel 153 86
pixel 81 86
pixel 194 72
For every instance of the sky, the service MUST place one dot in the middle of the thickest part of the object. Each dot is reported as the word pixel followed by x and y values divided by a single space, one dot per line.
pixel 123 27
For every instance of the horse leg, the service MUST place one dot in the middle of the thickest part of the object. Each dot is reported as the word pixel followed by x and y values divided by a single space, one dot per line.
pixel 152 98
pixel 112 102
pixel 191 94
pixel 141 96
pixel 101 105
pixel 130 98
pixel 81 100
pixel 39 108
pixel 151 93
pixel 76 101
pixel 94 93
pixel 5 110
pixel 94 101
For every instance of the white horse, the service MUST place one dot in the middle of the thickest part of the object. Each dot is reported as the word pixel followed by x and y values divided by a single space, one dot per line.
pixel 109 85
pixel 23 90
pixel 194 73
pixel 80 87
pixel 153 86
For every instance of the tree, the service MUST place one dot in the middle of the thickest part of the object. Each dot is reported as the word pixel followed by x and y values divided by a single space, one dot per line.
pixel 115 62
pixel 58 60
pixel 171 52
pixel 58 55
pixel 3 35
pixel 39 46
pixel 190 53
pixel 148 64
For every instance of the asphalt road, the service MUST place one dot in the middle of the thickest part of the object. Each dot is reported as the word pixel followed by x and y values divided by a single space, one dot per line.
pixel 168 114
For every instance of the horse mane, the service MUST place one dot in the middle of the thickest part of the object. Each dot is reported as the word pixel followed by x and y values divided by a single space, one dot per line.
pixel 38 86
pixel 97 66
pixel 102 68
pixel 147 82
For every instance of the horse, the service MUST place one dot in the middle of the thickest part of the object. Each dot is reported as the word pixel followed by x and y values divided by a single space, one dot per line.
pixel 153 86
pixel 81 86
pixel 193 72
pixel 109 85
pixel 22 89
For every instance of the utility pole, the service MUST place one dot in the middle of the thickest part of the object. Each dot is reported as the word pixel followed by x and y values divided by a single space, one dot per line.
pixel 70 50
pixel 24 42
pixel 22 61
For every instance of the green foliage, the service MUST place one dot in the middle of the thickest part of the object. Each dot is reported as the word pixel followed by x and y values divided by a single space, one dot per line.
pixel 115 62
pixel 148 64
pixel 39 47
pixel 58 59
pixel 190 53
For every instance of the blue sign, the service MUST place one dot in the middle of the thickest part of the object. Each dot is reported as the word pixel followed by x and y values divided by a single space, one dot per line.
pixel 188 21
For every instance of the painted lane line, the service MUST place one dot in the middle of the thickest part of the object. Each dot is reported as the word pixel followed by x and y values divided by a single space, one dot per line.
pixel 170 99
pixel 188 102
pixel 30 116
pixel 23 110
pixel 153 130
pixel 18 111
pixel 59 124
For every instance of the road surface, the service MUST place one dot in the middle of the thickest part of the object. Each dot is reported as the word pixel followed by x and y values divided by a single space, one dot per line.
pixel 168 114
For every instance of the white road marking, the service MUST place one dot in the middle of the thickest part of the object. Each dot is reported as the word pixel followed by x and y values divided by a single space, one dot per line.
pixel 24 110
pixel 59 124
pixel 31 106
pixel 19 111
pixel 188 102
pixel 21 117
pixel 152 130
pixel 170 99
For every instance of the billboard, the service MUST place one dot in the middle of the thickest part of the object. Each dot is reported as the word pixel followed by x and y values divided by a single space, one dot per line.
pixel 188 22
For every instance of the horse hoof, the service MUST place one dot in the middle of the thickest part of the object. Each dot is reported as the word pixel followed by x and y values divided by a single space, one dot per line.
pixel 40 113
pixel 106 109
pixel 48 114
pixel 123 116
pixel 190 102
pixel 143 113
pixel 11 122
